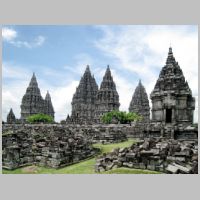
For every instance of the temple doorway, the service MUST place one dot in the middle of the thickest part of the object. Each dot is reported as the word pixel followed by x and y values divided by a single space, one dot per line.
pixel 168 115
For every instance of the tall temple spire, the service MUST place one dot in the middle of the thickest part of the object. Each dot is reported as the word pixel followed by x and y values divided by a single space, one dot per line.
pixel 33 82
pixel 170 58
pixel 32 101
pixel 83 102
pixel 108 83
pixel 107 96
pixel 172 100
pixel 140 103
pixel 49 110
pixel 11 117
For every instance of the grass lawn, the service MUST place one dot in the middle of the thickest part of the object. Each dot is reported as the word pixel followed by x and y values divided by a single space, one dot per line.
pixel 84 167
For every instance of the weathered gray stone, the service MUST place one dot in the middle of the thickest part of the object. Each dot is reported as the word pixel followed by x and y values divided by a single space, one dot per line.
pixel 83 102
pixel 140 103
pixel 172 100
pixel 157 156
pixel 107 97
pixel 33 103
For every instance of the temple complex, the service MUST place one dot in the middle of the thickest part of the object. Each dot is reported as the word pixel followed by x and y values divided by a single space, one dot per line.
pixel 140 103
pixel 172 100
pixel 107 97
pixel 83 102
pixel 33 103
pixel 11 117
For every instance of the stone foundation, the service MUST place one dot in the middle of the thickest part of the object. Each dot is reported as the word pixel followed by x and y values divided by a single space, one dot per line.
pixel 168 156
pixel 171 131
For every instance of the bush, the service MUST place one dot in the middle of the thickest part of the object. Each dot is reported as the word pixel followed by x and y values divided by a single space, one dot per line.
pixel 120 116
pixel 38 118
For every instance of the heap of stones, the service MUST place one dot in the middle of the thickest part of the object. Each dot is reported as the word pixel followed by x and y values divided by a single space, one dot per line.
pixel 33 103
pixel 140 103
pixel 44 145
pixel 167 156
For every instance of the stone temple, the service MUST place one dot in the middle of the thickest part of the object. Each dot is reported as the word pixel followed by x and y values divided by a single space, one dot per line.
pixel 172 100
pixel 89 103
pixel 33 103
pixel 107 97
pixel 11 117
pixel 48 105
pixel 140 103
pixel 83 102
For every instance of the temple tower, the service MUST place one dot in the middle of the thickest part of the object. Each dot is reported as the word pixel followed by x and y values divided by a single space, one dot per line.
pixel 107 96
pixel 83 102
pixel 11 117
pixel 32 101
pixel 172 101
pixel 49 110
pixel 140 103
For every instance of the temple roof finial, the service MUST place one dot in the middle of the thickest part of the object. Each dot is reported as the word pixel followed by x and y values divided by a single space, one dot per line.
pixel 87 68
pixel 170 50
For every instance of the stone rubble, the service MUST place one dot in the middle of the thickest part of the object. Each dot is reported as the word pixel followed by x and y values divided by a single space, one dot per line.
pixel 167 156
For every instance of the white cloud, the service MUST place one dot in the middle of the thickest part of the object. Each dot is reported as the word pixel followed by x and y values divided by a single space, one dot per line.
pixel 61 99
pixel 12 92
pixel 138 51
pixel 10 35
pixel 142 51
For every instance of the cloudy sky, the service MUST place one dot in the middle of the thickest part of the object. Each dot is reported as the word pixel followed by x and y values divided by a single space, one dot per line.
pixel 59 54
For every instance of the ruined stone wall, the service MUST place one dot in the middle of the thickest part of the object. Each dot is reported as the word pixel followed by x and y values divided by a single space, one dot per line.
pixel 44 145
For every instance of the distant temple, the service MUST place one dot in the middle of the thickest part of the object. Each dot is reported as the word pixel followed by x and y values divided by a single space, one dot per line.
pixel 11 117
pixel 140 103
pixel 89 103
pixel 107 97
pixel 33 103
pixel 83 102
pixel 172 100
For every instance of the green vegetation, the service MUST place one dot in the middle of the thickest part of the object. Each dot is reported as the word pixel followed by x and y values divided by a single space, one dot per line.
pixel 84 167
pixel 120 116
pixel 38 118
pixel 195 125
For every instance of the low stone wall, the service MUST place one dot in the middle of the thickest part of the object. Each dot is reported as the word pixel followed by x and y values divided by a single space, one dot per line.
pixel 168 156
pixel 170 131
pixel 45 145
pixel 95 133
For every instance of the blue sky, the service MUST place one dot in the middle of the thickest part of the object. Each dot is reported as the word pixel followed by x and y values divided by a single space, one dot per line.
pixel 59 54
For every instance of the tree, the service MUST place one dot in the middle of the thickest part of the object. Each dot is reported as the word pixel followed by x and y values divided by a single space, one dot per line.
pixel 38 118
pixel 120 116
